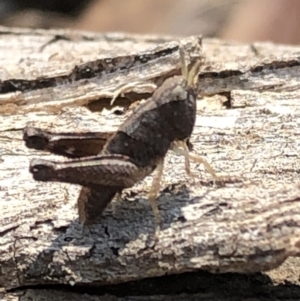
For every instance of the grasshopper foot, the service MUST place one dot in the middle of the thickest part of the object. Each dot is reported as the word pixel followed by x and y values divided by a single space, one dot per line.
pixel 180 148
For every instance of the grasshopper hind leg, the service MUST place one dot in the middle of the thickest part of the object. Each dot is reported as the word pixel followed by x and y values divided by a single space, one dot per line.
pixel 93 200
pixel 154 190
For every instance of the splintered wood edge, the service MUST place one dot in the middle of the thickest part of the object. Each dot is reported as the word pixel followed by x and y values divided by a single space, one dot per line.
pixel 50 294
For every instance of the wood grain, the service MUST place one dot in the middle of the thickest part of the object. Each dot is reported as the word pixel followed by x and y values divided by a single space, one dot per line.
pixel 247 128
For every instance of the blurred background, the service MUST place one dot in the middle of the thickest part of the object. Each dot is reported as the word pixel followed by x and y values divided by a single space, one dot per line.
pixel 240 20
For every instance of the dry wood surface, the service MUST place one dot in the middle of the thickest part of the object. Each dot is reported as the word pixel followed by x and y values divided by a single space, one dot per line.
pixel 247 127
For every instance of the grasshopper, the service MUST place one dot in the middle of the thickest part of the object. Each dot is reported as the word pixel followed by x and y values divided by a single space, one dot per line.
pixel 106 163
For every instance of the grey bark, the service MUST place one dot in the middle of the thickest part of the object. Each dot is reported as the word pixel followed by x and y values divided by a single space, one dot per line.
pixel 247 128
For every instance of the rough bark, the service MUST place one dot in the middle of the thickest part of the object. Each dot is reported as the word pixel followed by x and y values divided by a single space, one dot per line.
pixel 248 129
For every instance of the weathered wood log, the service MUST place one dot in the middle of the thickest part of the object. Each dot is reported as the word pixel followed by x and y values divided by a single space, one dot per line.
pixel 247 127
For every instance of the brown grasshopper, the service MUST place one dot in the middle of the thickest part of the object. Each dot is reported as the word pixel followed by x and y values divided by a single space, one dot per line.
pixel 107 163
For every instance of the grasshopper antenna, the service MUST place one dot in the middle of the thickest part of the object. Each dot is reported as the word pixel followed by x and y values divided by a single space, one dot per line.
pixel 184 68
pixel 189 72
pixel 193 72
